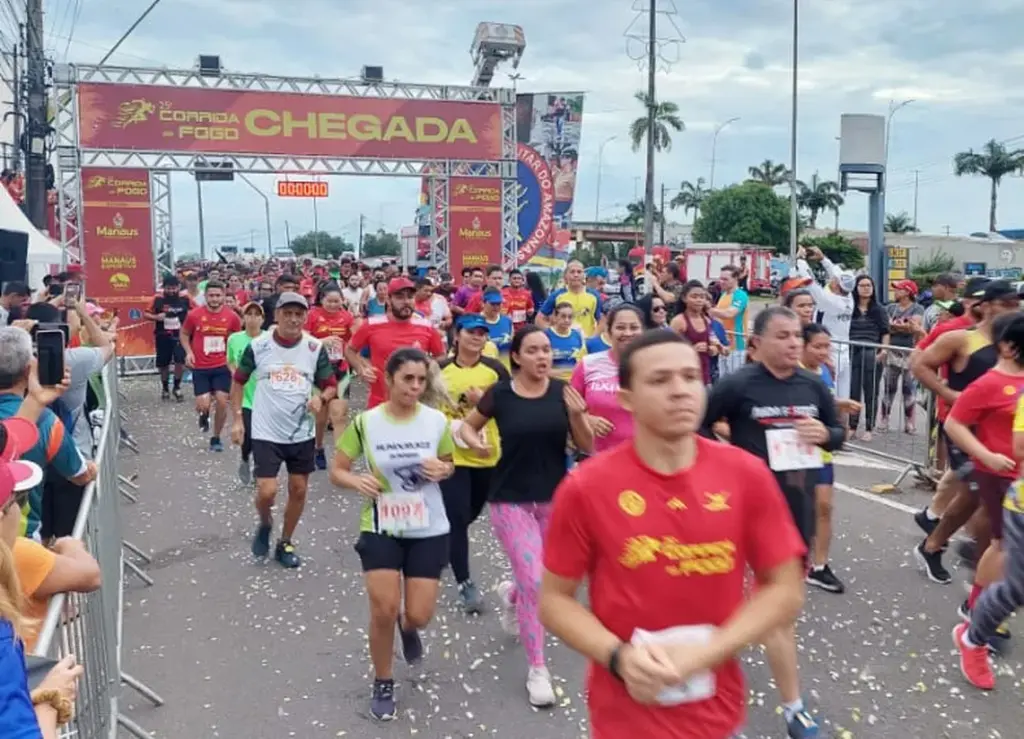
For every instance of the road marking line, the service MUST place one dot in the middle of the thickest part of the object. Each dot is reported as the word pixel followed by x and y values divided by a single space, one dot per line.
pixel 864 494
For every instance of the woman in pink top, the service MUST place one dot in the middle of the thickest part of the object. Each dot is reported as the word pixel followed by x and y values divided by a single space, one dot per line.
pixel 596 378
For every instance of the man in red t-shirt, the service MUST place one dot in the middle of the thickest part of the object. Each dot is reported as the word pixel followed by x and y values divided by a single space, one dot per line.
pixel 664 539
pixel 495 280
pixel 382 335
pixel 204 337
pixel 517 300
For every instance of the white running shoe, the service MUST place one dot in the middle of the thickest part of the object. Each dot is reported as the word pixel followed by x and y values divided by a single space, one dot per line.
pixel 539 688
pixel 507 616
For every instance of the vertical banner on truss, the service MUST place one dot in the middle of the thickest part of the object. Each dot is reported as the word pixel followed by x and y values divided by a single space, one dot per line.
pixel 474 222
pixel 117 250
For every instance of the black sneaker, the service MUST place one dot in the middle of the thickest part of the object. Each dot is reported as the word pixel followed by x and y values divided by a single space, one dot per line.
pixel 261 542
pixel 320 458
pixel 412 645
pixel 823 577
pixel 165 394
pixel 382 700
pixel 216 445
pixel 204 422
pixel 286 556
pixel 926 523
pixel 931 563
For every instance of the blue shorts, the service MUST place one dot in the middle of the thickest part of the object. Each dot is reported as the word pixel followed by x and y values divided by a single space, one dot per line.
pixel 216 380
pixel 827 474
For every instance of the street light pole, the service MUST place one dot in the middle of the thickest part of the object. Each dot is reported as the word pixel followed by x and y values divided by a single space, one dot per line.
pixel 652 60
pixel 714 148
pixel 893 107
pixel 600 163
pixel 793 213
pixel 266 206
pixel 128 33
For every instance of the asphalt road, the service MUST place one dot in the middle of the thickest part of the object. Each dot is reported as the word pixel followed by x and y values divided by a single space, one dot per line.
pixel 246 650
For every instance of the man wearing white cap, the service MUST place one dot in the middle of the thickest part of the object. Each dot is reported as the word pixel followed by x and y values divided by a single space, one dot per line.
pixel 835 309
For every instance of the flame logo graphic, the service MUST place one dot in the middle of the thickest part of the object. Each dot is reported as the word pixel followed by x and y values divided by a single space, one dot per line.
pixel 133 111
pixel 96 181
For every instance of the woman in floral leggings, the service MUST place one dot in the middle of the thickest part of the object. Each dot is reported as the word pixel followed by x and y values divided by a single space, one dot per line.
pixel 535 415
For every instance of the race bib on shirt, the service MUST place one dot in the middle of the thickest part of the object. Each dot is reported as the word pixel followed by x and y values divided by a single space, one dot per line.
pixel 173 324
pixel 787 452
pixel 518 316
pixel 334 351
pixel 702 685
pixel 400 512
pixel 214 345
pixel 285 379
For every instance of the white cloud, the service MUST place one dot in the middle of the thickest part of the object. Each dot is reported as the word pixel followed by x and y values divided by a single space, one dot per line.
pixel 960 64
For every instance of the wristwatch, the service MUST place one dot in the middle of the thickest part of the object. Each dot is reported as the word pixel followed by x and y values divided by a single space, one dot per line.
pixel 613 661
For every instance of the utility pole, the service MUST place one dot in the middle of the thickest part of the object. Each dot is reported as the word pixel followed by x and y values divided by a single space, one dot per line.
pixel 38 127
pixel 652 61
pixel 287 237
pixel 661 241
pixel 917 175
pixel 16 93
pixel 202 226
pixel 359 244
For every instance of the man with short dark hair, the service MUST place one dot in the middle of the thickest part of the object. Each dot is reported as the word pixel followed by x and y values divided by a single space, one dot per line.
pixel 944 288
pixel 168 312
pixel 15 295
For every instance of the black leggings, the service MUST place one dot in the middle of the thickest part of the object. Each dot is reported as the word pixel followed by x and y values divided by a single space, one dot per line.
pixel 247 439
pixel 465 494
pixel 865 375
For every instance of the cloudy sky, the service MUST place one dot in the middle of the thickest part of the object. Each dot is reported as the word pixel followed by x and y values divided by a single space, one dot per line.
pixel 961 63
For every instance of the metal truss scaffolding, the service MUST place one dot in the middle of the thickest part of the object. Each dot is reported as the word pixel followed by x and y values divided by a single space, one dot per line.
pixel 160 197
pixel 71 157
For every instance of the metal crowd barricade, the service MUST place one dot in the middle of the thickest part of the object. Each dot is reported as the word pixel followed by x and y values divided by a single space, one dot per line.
pixel 885 388
pixel 89 625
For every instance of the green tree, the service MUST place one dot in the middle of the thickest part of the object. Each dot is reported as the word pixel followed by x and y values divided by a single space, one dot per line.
pixel 899 223
pixel 381 244
pixel 635 214
pixel 769 173
pixel 690 196
pixel 666 116
pixel 321 244
pixel 926 270
pixel 747 214
pixel 994 161
pixel 818 196
pixel 838 248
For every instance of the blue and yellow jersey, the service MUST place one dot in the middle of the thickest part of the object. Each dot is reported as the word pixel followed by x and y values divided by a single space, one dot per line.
pixel 586 308
pixel 598 343
pixel 566 351
pixel 500 333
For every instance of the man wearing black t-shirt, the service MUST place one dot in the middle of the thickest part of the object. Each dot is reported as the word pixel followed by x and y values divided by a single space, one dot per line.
pixel 168 312
pixel 785 415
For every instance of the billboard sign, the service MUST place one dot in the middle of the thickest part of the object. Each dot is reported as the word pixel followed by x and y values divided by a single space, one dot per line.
pixel 301 189
pixel 474 222
pixel 117 251
pixel 123 117
pixel 548 128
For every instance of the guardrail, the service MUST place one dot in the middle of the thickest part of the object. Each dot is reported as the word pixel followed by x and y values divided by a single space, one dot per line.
pixel 897 420
pixel 89 625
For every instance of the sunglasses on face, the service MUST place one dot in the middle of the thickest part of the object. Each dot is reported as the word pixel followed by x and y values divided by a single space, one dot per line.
pixel 658 309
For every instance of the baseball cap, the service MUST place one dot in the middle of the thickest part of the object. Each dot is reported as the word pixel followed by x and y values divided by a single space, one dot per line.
pixel 290 298
pixel 847 281
pixel 472 322
pixel 397 284
pixel 254 305
pixel 975 287
pixel 17 435
pixel 998 290
pixel 493 297
pixel 944 304
pixel 909 285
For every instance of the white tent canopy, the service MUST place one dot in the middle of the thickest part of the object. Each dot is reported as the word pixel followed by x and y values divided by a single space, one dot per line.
pixel 42 252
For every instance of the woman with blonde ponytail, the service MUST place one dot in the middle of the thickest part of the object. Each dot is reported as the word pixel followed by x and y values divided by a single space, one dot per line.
pixel 24 714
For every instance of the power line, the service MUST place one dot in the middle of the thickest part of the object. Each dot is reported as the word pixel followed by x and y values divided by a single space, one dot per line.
pixel 74 24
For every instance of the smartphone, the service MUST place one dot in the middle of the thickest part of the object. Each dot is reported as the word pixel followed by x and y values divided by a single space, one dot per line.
pixel 72 292
pixel 50 355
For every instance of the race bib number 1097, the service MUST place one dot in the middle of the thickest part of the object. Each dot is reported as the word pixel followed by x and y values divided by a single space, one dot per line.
pixel 400 512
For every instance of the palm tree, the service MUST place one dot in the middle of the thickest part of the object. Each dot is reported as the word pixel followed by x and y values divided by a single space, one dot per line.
pixel 994 161
pixel 690 196
pixel 899 223
pixel 666 116
pixel 819 196
pixel 635 214
pixel 769 173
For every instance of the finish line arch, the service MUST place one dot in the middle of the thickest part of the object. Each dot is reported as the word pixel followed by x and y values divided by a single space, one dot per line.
pixel 162 121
